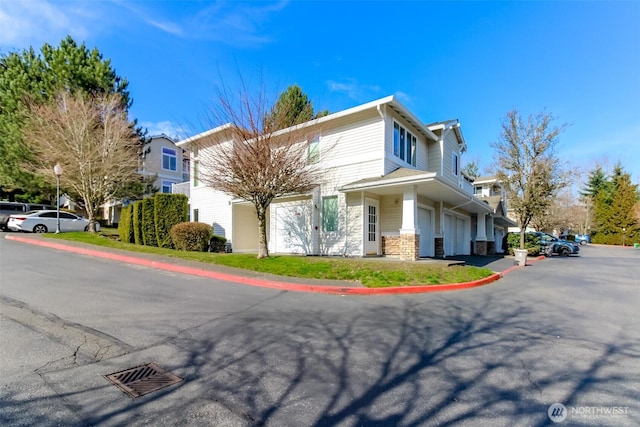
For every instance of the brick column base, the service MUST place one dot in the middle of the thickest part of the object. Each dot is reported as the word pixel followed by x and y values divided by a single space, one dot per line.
pixel 481 247
pixel 491 248
pixel 409 247
pixel 390 245
pixel 439 247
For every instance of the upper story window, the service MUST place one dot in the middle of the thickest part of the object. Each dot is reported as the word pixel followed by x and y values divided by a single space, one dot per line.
pixel 455 163
pixel 404 144
pixel 477 190
pixel 313 153
pixel 169 159
pixel 196 177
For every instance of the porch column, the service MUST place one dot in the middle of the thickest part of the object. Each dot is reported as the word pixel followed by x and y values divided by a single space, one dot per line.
pixel 481 234
pixel 409 233
pixel 491 238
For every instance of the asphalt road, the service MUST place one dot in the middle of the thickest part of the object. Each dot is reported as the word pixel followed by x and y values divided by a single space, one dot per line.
pixel 563 330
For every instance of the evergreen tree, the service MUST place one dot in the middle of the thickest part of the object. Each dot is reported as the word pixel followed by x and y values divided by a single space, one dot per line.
pixel 293 107
pixel 27 77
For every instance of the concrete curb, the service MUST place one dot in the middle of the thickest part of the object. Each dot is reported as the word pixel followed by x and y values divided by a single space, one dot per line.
pixel 516 267
pixel 272 284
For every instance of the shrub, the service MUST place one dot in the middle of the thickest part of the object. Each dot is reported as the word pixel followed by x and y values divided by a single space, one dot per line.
pixel 170 209
pixel 137 222
pixel 191 236
pixel 148 223
pixel 217 244
pixel 125 226
pixel 531 243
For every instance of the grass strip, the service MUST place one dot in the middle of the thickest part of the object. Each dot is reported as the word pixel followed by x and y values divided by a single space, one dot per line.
pixel 370 273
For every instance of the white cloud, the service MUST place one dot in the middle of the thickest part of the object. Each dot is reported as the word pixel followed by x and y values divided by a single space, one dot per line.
pixel 33 23
pixel 353 89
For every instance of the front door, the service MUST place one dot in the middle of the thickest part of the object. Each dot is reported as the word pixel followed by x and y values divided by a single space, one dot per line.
pixel 372 228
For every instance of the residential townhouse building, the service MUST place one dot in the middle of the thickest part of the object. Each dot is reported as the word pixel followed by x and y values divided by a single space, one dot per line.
pixel 392 186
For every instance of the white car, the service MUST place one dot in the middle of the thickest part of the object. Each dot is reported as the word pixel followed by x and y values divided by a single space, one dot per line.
pixel 46 222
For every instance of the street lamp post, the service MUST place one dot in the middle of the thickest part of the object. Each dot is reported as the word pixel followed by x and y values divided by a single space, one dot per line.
pixel 57 169
pixel 624 231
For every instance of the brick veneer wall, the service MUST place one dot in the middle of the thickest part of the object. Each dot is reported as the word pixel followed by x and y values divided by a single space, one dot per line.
pixel 390 245
pixel 409 247
pixel 481 247
pixel 491 248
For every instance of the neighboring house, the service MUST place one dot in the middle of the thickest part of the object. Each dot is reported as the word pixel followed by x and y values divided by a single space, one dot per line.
pixel 170 165
pixel 490 189
pixel 392 186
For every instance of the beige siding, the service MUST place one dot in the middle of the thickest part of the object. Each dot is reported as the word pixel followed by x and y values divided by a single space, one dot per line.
pixel 353 150
pixel 391 214
pixel 450 146
pixel 434 158
pixel 213 207
pixel 153 162
pixel 245 219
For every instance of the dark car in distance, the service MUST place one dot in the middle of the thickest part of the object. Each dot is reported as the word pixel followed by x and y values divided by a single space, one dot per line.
pixel 550 245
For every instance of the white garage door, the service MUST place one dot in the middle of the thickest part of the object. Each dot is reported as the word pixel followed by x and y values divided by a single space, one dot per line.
pixel 425 223
pixel 292 231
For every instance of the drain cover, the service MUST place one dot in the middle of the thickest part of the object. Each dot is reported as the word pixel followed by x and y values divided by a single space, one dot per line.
pixel 142 379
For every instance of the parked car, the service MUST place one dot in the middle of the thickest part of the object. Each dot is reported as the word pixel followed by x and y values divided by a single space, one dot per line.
pixel 583 239
pixel 46 222
pixel 10 208
pixel 550 245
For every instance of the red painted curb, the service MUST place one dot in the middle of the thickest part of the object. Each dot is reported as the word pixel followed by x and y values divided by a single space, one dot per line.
pixel 285 286
pixel 515 267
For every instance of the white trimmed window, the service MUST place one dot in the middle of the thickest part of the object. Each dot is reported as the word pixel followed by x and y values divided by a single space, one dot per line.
pixel 454 163
pixel 169 159
pixel 330 213
pixel 313 154
pixel 166 186
pixel 404 144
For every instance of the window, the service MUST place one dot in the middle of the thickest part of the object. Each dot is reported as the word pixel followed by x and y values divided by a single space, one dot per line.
pixel 196 215
pixel 477 190
pixel 169 159
pixel 196 182
pixel 454 163
pixel 404 144
pixel 330 213
pixel 166 186
pixel 313 154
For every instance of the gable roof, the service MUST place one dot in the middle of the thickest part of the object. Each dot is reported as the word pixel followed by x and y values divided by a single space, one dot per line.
pixel 390 102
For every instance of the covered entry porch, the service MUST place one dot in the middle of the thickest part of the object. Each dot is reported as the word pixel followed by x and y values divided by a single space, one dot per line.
pixel 409 214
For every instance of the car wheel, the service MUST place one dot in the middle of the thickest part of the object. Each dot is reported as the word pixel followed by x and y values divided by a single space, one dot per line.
pixel 40 228
pixel 86 228
pixel 564 252
pixel 583 242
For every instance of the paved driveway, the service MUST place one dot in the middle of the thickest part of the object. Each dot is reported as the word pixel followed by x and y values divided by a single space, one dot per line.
pixel 563 330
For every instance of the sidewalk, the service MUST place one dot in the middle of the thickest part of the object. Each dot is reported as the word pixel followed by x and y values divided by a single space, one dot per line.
pixel 500 265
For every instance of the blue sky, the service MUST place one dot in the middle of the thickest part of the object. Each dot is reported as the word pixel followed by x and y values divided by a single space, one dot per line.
pixel 473 61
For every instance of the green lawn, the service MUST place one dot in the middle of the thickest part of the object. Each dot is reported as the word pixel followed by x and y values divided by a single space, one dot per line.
pixel 371 273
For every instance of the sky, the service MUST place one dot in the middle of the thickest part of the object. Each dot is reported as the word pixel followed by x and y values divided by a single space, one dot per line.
pixel 472 61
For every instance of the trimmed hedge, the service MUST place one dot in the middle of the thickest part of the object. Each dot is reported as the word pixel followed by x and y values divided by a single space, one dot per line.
pixel 148 223
pixel 191 236
pixel 125 225
pixel 217 244
pixel 531 243
pixel 170 209
pixel 137 223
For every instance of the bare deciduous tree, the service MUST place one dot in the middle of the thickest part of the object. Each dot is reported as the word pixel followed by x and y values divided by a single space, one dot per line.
pixel 92 139
pixel 255 161
pixel 527 164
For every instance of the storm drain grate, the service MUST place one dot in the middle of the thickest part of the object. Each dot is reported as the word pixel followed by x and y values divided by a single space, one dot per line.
pixel 142 379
